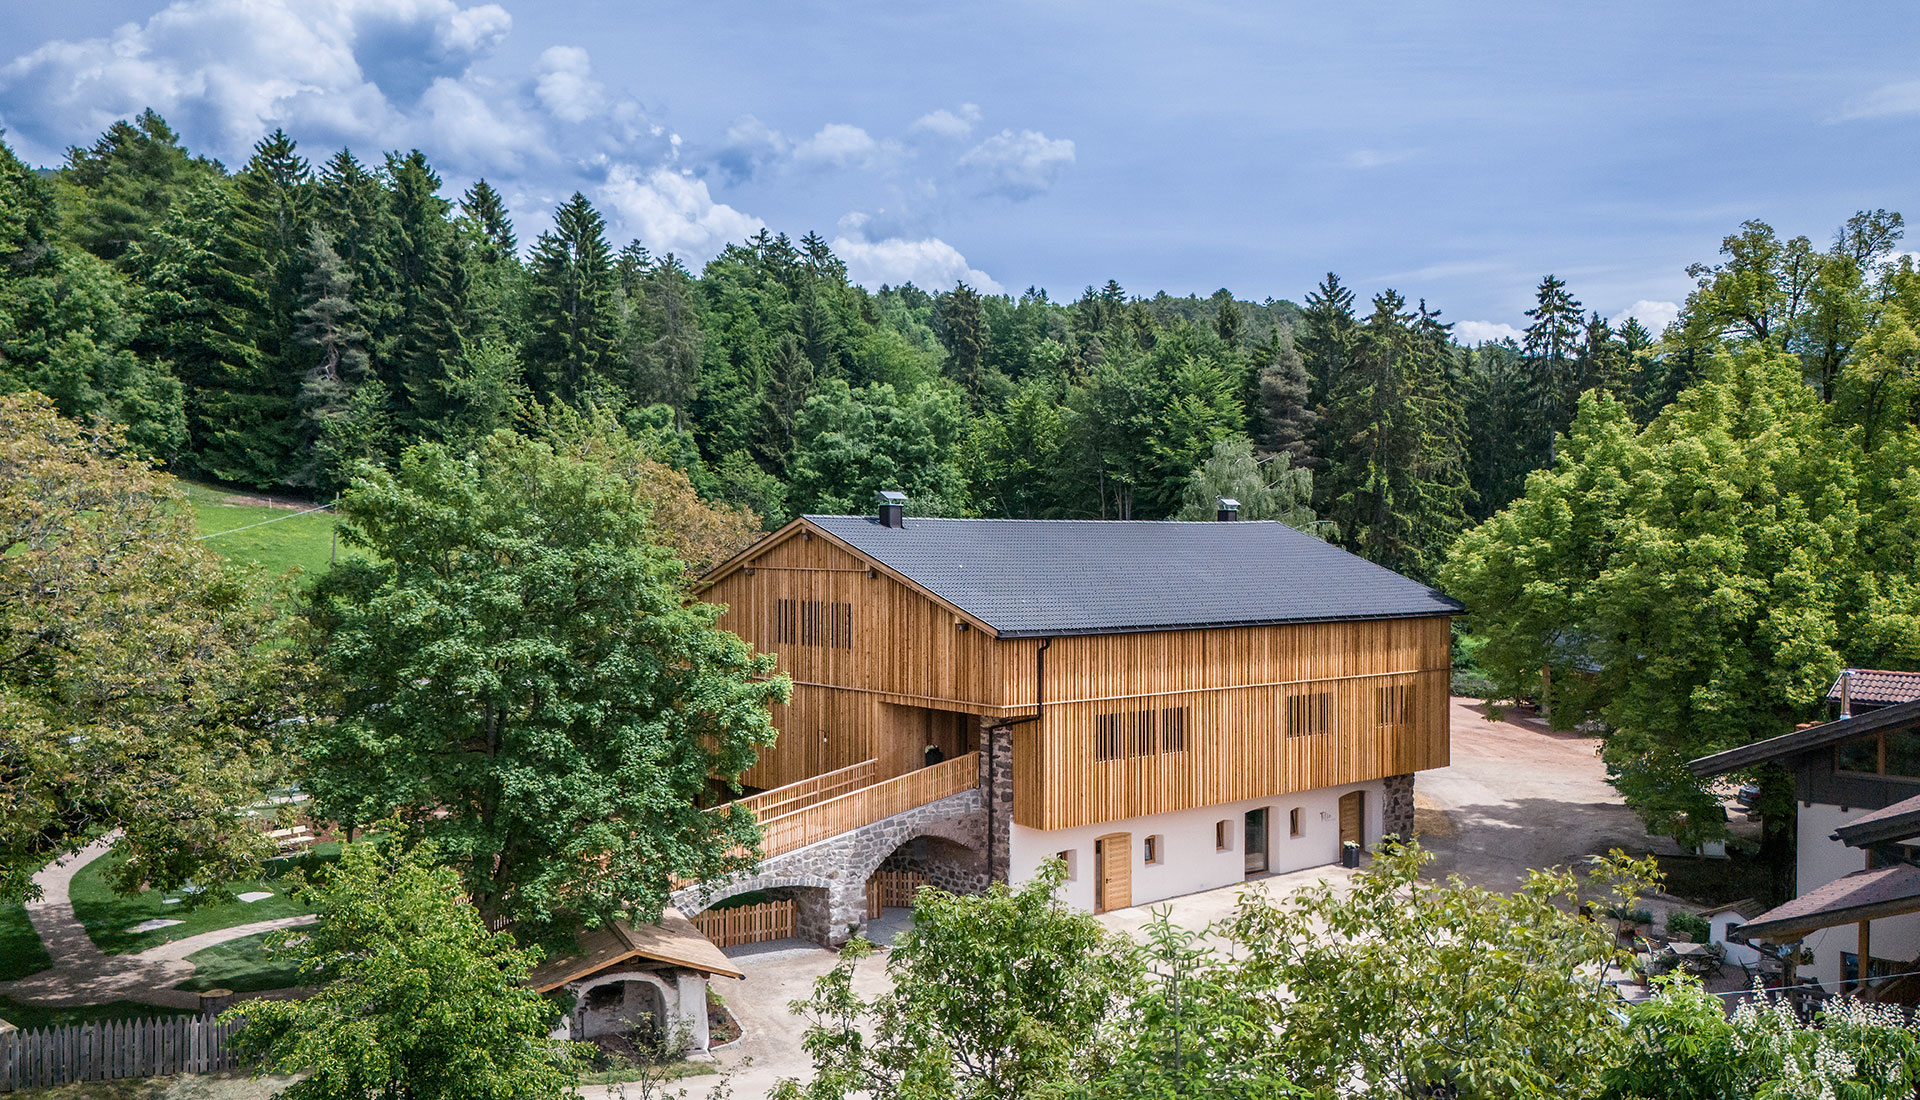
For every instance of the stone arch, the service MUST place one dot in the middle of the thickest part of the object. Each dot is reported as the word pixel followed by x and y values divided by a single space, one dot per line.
pixel 948 862
pixel 699 899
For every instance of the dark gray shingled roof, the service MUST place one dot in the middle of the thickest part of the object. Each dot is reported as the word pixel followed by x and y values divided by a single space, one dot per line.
pixel 1863 895
pixel 1801 741
pixel 1900 821
pixel 1027 578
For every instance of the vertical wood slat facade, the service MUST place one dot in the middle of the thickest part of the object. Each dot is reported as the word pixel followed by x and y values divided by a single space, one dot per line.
pixel 914 662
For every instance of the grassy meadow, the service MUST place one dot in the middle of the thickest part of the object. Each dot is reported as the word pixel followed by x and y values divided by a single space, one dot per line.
pixel 267 532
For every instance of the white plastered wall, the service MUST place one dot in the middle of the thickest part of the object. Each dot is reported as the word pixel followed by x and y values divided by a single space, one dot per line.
pixel 1820 860
pixel 1189 861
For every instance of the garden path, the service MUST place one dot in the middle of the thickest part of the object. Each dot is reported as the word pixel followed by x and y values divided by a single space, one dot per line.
pixel 82 974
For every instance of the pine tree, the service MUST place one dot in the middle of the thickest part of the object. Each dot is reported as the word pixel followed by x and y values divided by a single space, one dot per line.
pixel 962 331
pixel 335 344
pixel 122 186
pixel 1550 358
pixel 1284 417
pixel 573 317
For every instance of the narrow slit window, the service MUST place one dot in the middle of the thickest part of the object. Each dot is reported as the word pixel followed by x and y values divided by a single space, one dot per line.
pixel 1309 713
pixel 1393 705
pixel 1151 850
pixel 824 623
pixel 1136 734
pixel 1293 821
pixel 1222 835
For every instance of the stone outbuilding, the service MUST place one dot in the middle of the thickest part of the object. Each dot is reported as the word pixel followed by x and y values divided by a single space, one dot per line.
pixel 650 979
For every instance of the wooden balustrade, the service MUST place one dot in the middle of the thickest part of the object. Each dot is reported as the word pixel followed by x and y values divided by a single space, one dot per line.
pixel 807 792
pixel 867 805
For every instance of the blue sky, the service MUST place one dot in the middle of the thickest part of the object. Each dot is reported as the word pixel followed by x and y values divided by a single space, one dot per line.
pixel 1455 153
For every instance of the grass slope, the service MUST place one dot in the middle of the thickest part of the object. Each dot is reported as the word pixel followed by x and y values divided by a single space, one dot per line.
pixel 21 952
pixel 289 540
pixel 108 916
pixel 241 965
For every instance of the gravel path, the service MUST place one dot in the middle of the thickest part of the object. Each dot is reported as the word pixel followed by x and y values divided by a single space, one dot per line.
pixel 82 974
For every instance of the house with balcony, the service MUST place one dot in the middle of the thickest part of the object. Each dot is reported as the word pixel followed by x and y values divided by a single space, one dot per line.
pixel 1855 916
pixel 1165 706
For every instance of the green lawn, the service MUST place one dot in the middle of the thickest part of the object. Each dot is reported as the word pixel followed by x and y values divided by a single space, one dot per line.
pixel 29 1016
pixel 240 965
pixel 289 540
pixel 108 916
pixel 21 952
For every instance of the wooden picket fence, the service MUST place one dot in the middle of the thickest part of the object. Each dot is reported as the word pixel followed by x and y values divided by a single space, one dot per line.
pixel 112 1049
pixel 769 920
pixel 892 890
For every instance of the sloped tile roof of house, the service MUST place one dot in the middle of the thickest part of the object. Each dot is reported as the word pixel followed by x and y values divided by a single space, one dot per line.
pixel 1863 895
pixel 1879 687
pixel 1808 738
pixel 1900 821
pixel 1028 578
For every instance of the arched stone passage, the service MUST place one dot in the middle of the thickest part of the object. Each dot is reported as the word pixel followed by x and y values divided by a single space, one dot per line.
pixel 626 1001
pixel 945 863
pixel 841 865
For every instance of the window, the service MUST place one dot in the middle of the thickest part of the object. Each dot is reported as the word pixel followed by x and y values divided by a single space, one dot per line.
pixel 1222 835
pixel 1131 734
pixel 1310 713
pixel 1293 821
pixel 1066 857
pixel 1151 849
pixel 815 622
pixel 1393 705
pixel 1895 754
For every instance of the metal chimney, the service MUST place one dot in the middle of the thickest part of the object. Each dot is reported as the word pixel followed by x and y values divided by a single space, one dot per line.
pixel 1229 510
pixel 1846 693
pixel 893 508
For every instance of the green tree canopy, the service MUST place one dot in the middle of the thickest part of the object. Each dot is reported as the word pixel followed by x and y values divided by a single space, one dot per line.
pixel 413 996
pixel 140 679
pixel 521 674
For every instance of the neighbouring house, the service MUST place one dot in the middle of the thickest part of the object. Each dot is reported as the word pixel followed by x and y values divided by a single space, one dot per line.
pixel 1166 706
pixel 1857 779
pixel 646 982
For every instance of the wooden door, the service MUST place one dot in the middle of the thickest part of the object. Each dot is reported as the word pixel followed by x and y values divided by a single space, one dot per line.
pixel 1113 872
pixel 1353 807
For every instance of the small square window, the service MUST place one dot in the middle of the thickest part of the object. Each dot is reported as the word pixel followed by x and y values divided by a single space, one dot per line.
pixel 1066 857
pixel 1222 835
pixel 1293 821
pixel 1152 849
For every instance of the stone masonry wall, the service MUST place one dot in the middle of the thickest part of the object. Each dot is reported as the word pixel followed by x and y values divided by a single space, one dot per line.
pixel 1396 810
pixel 829 879
pixel 996 783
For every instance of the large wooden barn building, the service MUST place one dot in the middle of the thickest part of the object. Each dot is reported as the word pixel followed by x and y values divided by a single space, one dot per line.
pixel 1167 706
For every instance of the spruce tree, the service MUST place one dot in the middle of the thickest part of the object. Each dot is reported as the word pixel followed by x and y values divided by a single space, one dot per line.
pixel 962 331
pixel 335 346
pixel 412 348
pixel 573 317
pixel 117 190
pixel 1550 359
pixel 1284 417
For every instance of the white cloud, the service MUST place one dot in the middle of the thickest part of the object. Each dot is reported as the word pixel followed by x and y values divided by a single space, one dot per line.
pixel 949 124
pixel 1654 316
pixel 750 146
pixel 1483 332
pixel 565 85
pixel 1899 98
pixel 672 212
pixel 840 145
pixel 929 263
pixel 1019 165
pixel 1377 158
pixel 231 70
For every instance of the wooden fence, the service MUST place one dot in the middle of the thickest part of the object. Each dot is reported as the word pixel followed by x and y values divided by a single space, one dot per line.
pixel 769 920
pixel 892 890
pixel 867 805
pixel 111 1049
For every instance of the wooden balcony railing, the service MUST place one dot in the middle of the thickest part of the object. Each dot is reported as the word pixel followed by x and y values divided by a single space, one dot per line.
pixel 798 796
pixel 844 813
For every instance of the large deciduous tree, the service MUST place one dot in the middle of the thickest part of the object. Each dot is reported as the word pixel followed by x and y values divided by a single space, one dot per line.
pixel 519 673
pixel 139 681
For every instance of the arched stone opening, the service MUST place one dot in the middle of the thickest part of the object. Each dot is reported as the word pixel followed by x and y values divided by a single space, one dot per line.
pixel 942 861
pixel 632 1003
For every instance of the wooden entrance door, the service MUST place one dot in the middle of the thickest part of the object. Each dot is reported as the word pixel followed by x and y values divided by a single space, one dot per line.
pixel 1113 872
pixel 1353 806
pixel 1257 841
